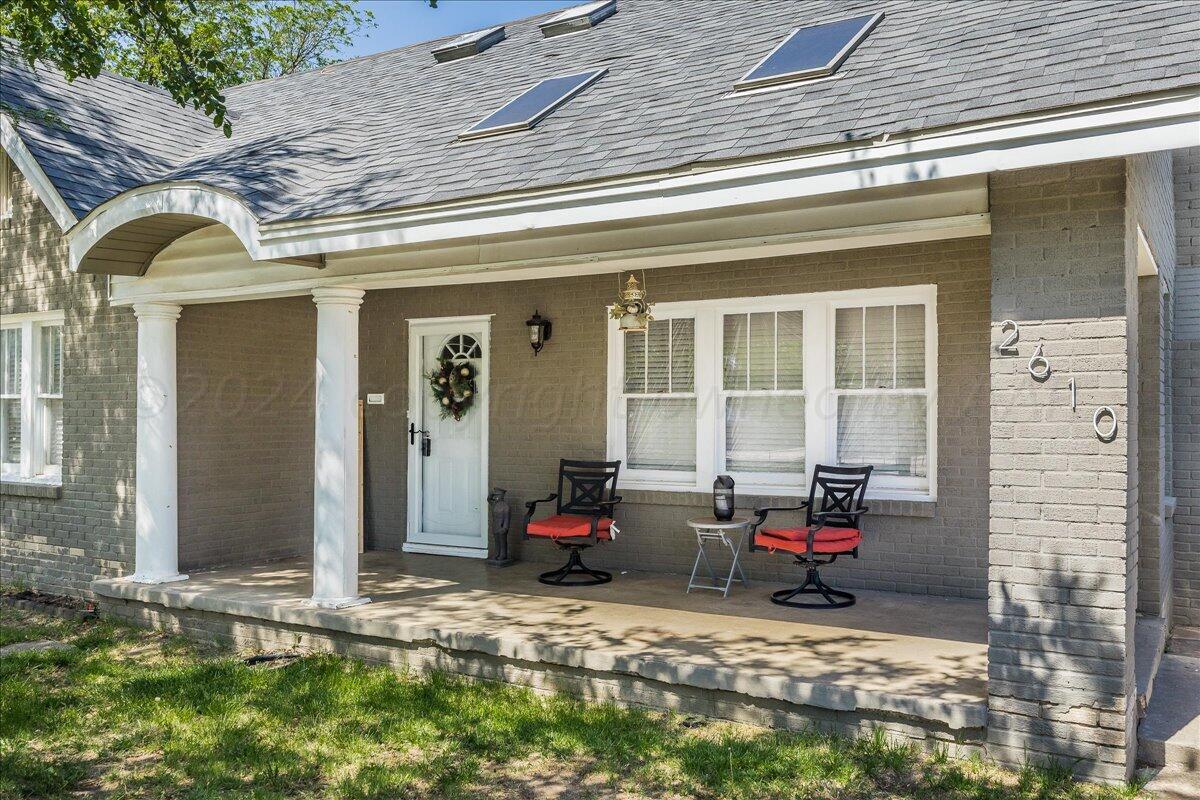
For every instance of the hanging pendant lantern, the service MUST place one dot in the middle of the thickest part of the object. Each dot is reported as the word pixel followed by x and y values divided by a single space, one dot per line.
pixel 631 310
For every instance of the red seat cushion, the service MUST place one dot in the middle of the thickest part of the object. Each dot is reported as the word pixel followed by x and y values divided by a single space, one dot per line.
pixel 569 525
pixel 795 540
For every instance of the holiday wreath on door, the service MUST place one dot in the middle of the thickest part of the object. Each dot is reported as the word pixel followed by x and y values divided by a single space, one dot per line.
pixel 453 381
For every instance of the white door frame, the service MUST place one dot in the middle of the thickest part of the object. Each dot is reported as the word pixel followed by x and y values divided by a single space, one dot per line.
pixel 417 330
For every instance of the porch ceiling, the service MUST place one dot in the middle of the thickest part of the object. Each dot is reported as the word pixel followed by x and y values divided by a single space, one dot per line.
pixel 129 249
pixel 918 656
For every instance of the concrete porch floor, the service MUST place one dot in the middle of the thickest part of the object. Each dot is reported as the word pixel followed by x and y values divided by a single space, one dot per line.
pixel 914 656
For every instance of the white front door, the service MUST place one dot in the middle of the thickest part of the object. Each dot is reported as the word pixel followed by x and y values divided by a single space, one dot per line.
pixel 447 473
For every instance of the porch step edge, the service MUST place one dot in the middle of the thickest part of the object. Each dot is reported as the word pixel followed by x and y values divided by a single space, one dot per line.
pixel 955 715
pixel 1150 641
pixel 1169 735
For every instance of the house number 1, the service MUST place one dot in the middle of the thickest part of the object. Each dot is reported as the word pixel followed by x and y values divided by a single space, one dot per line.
pixel 1104 420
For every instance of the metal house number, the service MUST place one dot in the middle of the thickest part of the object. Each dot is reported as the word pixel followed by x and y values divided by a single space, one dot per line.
pixel 1104 420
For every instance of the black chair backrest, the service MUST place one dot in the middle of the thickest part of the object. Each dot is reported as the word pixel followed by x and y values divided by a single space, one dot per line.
pixel 843 489
pixel 582 485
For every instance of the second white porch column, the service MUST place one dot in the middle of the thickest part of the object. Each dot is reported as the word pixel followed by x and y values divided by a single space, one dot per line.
pixel 156 551
pixel 335 500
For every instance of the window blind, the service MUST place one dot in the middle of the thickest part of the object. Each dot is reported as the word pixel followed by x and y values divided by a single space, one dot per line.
pixel 660 429
pixel 879 357
pixel 10 396
pixel 50 360
pixel 763 362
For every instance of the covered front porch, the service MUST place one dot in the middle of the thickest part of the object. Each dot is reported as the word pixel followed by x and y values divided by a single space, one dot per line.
pixel 916 665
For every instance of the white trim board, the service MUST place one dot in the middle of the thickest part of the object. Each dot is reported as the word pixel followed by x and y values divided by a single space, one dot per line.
pixel 1114 128
pixel 440 550
pixel 125 292
pixel 28 166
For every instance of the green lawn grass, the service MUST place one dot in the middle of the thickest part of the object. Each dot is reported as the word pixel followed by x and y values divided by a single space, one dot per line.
pixel 132 713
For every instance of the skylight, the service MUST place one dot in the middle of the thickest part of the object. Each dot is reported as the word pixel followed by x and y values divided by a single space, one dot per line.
pixel 469 44
pixel 579 18
pixel 535 103
pixel 812 52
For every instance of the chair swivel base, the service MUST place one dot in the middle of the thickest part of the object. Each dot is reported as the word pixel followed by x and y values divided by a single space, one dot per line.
pixel 574 573
pixel 833 598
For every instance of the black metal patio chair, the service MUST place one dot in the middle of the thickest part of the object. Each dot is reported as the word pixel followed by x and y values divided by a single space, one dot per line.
pixel 834 529
pixel 587 495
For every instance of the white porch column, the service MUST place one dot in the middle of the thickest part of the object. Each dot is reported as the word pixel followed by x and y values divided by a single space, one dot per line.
pixel 156 554
pixel 335 500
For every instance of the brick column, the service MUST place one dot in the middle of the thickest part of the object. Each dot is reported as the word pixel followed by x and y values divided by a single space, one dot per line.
pixel 1062 542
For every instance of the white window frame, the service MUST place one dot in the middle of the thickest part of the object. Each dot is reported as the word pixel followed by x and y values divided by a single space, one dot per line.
pixel 819 392
pixel 32 466
pixel 617 423
pixel 6 198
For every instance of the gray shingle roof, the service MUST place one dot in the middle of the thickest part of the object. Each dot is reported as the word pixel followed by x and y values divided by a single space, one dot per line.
pixel 109 134
pixel 380 131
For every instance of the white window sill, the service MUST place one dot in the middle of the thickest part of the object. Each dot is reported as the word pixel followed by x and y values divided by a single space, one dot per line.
pixel 751 490
pixel 883 504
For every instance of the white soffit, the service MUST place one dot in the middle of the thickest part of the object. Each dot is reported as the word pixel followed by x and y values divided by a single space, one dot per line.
pixel 211 264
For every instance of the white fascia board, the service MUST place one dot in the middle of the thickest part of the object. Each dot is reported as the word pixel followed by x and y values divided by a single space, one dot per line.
pixel 1079 134
pixel 128 291
pixel 24 161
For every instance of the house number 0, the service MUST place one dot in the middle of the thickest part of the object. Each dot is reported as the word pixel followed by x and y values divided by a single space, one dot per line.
pixel 1104 420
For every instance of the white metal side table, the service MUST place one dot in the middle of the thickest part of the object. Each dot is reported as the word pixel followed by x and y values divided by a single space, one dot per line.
pixel 718 532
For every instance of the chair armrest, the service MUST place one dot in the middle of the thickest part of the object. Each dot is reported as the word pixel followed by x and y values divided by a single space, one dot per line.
pixel 820 516
pixel 609 503
pixel 529 508
pixel 761 514
pixel 533 503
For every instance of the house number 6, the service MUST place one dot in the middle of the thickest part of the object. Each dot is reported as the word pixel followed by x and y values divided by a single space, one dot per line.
pixel 1039 367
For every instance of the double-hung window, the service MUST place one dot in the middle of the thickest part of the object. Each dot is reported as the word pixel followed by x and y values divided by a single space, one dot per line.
pixel 658 397
pixel 762 395
pixel 765 388
pixel 31 396
pixel 880 392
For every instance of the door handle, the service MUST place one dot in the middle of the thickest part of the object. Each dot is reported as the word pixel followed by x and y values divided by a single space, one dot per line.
pixel 426 442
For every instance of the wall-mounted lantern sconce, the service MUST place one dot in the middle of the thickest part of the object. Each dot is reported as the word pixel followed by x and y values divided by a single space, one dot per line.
pixel 539 332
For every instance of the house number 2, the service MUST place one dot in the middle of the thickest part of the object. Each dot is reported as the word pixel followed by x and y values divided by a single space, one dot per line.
pixel 1104 420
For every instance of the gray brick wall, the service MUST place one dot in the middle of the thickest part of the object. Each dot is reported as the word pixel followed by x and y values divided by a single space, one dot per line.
pixel 554 406
pixel 1151 209
pixel 246 408
pixel 1186 385
pixel 59 544
pixel 1062 503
